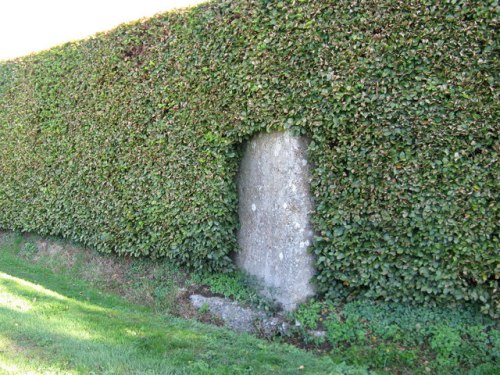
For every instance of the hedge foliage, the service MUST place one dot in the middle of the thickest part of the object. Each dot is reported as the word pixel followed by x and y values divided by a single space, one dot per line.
pixel 130 141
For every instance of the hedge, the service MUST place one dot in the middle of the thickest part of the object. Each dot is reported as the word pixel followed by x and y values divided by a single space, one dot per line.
pixel 129 141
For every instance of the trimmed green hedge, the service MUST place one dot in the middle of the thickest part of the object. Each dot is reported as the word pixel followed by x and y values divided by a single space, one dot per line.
pixel 130 141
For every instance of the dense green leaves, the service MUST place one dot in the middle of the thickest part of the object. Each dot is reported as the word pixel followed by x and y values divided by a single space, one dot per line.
pixel 129 141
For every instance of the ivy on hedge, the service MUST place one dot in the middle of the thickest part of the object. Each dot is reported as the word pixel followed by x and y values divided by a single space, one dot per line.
pixel 130 141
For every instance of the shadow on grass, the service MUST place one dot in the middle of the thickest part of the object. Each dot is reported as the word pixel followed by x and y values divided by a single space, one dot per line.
pixel 67 325
pixel 64 345
pixel 77 330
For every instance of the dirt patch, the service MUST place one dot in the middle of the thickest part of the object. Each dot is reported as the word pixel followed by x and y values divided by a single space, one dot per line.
pixel 107 269
pixel 66 256
pixel 4 236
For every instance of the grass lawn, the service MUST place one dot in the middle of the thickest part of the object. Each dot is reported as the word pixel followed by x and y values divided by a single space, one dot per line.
pixel 68 309
pixel 53 323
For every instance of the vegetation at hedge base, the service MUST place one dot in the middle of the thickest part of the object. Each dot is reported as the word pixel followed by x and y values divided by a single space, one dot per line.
pixel 130 141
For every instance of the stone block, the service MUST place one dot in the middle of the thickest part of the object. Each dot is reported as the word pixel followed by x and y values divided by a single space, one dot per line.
pixel 274 211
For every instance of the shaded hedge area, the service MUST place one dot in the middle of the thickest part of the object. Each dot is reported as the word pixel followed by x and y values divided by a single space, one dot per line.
pixel 129 141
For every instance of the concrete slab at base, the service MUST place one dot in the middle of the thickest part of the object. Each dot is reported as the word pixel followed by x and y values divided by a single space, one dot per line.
pixel 274 210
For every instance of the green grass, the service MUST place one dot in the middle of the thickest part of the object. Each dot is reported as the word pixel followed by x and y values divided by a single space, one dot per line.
pixel 51 322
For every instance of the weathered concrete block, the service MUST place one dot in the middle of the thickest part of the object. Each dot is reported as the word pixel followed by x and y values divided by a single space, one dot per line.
pixel 274 210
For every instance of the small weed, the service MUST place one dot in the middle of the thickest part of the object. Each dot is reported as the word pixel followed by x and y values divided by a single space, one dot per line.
pixel 445 342
pixel 204 309
pixel 28 250
pixel 312 314
pixel 348 331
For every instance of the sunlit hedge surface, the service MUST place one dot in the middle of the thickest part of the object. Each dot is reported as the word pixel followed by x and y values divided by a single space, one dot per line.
pixel 130 141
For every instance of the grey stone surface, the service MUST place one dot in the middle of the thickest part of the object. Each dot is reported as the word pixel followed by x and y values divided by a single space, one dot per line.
pixel 237 318
pixel 242 319
pixel 317 333
pixel 274 210
pixel 273 326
